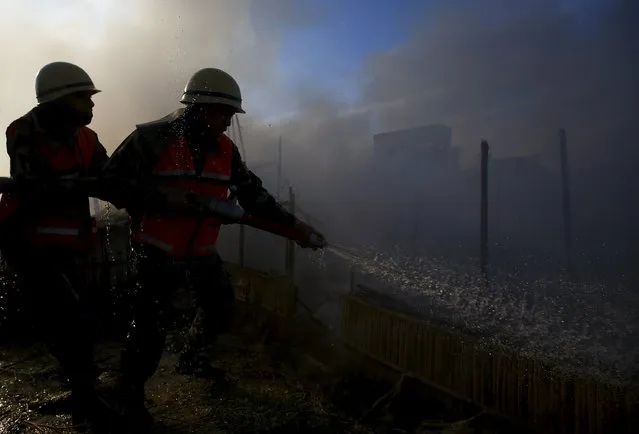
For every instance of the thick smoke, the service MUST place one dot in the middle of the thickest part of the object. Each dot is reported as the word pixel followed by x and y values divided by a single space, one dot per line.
pixel 509 71
pixel 512 72
pixel 140 53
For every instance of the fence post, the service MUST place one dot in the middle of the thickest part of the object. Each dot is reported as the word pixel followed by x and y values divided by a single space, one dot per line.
pixel 242 243
pixel 353 278
pixel 290 245
pixel 565 190
pixel 483 252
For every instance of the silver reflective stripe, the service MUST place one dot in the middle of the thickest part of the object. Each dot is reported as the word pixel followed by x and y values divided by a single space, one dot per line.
pixel 71 176
pixel 57 231
pixel 174 172
pixel 155 242
pixel 216 176
pixel 207 248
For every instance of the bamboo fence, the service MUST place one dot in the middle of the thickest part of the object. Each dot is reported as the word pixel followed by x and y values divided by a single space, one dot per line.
pixel 522 389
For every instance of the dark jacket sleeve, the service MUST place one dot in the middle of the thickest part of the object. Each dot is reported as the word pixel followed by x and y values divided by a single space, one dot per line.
pixel 125 174
pixel 25 162
pixel 253 197
pixel 99 159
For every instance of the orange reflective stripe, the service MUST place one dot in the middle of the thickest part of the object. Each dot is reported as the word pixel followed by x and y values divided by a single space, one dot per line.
pixel 61 226
pixel 183 236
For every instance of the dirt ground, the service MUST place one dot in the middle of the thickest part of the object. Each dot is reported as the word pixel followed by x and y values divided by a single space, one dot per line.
pixel 269 395
pixel 279 386
pixel 266 397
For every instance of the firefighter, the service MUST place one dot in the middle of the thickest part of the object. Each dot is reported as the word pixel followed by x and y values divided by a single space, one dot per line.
pixel 187 150
pixel 46 232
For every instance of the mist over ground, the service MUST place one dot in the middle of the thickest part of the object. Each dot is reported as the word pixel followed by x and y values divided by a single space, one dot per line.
pixel 510 72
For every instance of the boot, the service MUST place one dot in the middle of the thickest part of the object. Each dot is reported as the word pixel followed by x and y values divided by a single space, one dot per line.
pixel 89 413
pixel 199 367
pixel 194 363
pixel 132 409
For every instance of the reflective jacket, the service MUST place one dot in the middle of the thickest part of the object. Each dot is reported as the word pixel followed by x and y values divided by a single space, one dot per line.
pixel 184 235
pixel 159 153
pixel 62 222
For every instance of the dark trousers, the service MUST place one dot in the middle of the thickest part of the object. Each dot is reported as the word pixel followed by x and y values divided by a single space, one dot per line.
pixel 159 276
pixel 55 288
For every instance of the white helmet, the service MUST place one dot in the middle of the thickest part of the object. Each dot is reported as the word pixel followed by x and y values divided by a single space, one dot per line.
pixel 213 86
pixel 58 79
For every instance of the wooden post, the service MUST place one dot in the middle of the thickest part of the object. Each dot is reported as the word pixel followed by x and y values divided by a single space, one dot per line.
pixel 565 183
pixel 414 242
pixel 483 253
pixel 242 243
pixel 353 279
pixel 290 245
pixel 279 169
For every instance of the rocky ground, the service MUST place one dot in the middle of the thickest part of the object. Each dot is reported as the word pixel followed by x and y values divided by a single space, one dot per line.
pixel 272 393
pixel 266 397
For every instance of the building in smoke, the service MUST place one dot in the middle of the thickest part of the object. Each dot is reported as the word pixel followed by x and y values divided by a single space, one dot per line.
pixel 417 172
pixel 430 147
pixel 525 219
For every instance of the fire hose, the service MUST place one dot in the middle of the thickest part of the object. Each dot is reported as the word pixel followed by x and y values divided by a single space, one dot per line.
pixel 225 210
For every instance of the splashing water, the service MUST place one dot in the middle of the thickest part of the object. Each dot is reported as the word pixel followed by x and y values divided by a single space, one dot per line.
pixel 319 259
pixel 587 328
pixel 107 228
pixel 7 288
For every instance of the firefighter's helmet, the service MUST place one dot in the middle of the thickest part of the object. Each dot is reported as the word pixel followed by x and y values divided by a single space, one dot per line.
pixel 58 79
pixel 213 86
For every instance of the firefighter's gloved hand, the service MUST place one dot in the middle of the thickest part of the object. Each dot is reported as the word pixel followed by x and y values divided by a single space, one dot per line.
pixel 308 237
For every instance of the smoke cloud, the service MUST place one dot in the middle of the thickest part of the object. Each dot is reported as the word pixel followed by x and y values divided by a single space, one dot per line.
pixel 140 53
pixel 511 72
pixel 514 72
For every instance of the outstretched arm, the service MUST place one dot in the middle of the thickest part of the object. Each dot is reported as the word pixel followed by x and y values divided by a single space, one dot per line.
pixel 253 197
pixel 257 201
